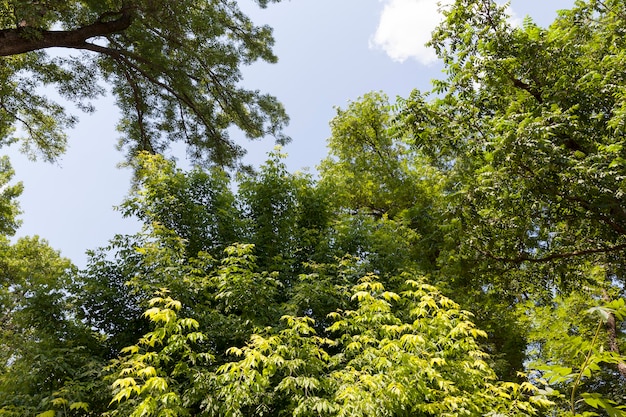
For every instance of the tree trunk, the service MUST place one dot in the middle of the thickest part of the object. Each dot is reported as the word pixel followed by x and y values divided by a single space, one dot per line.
pixel 611 328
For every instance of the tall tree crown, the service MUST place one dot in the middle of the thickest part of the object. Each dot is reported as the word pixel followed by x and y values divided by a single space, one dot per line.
pixel 173 67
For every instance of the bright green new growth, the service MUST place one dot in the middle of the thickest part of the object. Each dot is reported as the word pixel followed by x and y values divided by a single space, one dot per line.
pixel 153 375
pixel 408 353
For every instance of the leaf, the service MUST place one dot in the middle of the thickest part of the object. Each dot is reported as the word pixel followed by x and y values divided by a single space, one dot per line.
pixel 593 399
pixel 124 382
pixel 361 295
pixel 155 383
pixel 59 402
pixel 556 374
pixel 390 296
pixel 146 372
pixel 174 304
pixel 80 406
pixel 597 401
pixel 124 394
pixel 130 350
pixel 601 311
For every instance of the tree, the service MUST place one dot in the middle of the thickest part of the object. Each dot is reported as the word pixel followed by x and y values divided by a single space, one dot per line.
pixel 528 129
pixel 386 353
pixel 172 66
pixel 197 206
pixel 386 197
pixel 197 233
pixel 48 358
pixel 286 215
pixel 528 125
pixel 394 212
pixel 357 359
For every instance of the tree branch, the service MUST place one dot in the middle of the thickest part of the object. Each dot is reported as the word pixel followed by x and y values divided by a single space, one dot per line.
pixel 146 145
pixel 524 257
pixel 16 41
pixel 528 88
pixel 123 57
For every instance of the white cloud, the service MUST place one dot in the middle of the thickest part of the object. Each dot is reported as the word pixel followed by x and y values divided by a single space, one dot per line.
pixel 404 27
pixel 515 20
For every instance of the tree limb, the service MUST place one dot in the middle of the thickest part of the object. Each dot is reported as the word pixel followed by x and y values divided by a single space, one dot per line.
pixel 528 88
pixel 15 41
pixel 524 257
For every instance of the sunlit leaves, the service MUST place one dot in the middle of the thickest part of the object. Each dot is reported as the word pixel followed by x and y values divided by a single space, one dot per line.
pixel 238 284
pixel 381 359
pixel 152 376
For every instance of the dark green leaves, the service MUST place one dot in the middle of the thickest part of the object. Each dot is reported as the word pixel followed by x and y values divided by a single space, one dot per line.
pixel 174 68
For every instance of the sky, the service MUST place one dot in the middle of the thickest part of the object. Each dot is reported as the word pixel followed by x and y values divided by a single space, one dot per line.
pixel 330 52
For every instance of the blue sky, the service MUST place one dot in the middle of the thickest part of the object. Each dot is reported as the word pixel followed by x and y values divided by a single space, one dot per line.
pixel 330 52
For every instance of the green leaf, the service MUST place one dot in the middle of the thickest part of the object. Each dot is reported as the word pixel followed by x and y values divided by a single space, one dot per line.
pixel 80 406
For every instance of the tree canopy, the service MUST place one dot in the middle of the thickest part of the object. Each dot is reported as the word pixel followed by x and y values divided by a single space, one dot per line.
pixel 460 253
pixel 173 68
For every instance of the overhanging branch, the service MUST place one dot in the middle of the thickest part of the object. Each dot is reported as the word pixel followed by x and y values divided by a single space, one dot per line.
pixel 14 41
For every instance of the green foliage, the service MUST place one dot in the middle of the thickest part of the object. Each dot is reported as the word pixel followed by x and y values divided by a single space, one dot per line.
pixel 108 304
pixel 227 295
pixel 572 357
pixel 526 129
pixel 48 359
pixel 372 170
pixel 9 208
pixel 503 185
pixel 371 158
pixel 198 206
pixel 287 216
pixel 237 284
pixel 528 122
pixel 173 67
pixel 407 353
pixel 153 376
pixel 191 219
